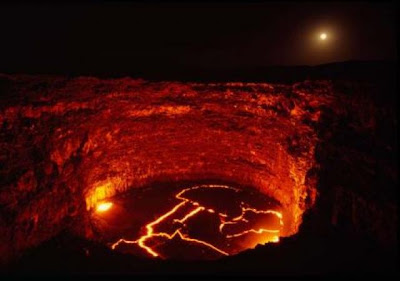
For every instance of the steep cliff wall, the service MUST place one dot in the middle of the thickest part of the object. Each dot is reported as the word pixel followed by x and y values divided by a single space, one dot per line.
pixel 67 143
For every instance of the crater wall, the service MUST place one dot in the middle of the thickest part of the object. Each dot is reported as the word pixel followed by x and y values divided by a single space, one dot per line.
pixel 67 143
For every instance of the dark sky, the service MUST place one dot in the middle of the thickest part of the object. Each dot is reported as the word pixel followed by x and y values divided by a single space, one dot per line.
pixel 70 36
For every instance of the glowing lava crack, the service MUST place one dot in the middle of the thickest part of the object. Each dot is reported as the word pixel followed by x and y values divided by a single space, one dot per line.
pixel 198 208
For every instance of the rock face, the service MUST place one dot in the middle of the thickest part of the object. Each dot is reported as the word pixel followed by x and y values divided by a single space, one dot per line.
pixel 358 156
pixel 67 143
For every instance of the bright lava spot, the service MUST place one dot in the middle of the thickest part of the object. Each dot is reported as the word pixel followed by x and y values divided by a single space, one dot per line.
pixel 323 36
pixel 103 207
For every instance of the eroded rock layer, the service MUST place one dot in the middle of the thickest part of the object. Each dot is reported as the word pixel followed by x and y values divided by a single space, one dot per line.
pixel 67 143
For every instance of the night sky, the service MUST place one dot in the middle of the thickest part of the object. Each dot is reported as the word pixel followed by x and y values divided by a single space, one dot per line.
pixel 131 36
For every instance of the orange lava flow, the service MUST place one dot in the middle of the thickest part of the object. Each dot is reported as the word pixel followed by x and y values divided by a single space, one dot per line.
pixel 261 230
pixel 191 214
pixel 150 232
pixel 103 207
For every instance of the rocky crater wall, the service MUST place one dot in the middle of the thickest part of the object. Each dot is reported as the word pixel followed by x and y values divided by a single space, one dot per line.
pixel 67 143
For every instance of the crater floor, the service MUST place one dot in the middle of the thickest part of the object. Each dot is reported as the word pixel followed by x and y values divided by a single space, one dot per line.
pixel 197 222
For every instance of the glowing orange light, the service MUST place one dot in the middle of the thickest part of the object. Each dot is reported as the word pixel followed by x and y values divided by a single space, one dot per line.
pixel 150 227
pixel 323 36
pixel 261 230
pixel 103 207
pixel 191 214
pixel 275 239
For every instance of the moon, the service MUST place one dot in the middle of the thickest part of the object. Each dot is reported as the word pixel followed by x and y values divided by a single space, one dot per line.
pixel 323 36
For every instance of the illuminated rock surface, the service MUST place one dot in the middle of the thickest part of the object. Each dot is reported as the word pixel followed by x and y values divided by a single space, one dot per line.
pixel 67 144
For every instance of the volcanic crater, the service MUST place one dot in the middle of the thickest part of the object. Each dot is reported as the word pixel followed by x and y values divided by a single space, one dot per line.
pixel 71 144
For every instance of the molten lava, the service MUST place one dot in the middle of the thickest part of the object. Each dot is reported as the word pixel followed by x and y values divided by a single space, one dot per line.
pixel 195 209
pixel 103 207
